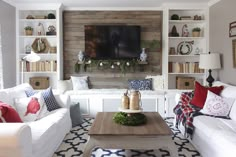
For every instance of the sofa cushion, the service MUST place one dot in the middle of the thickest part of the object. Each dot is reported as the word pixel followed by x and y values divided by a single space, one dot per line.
pixel 8 114
pixel 64 85
pixel 80 83
pixel 75 114
pixel 145 84
pixel 30 107
pixel 216 105
pixel 200 94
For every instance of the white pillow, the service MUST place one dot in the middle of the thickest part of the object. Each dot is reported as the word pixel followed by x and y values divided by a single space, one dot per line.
pixel 216 105
pixel 157 82
pixel 64 85
pixel 30 107
pixel 80 83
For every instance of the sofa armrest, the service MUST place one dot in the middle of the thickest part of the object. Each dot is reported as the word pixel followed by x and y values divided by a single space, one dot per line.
pixel 63 100
pixel 177 98
pixel 15 140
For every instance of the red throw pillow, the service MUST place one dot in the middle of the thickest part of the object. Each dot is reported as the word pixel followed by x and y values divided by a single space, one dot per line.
pixel 8 114
pixel 200 94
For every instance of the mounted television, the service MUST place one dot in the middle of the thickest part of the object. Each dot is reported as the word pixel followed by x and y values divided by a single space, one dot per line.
pixel 112 41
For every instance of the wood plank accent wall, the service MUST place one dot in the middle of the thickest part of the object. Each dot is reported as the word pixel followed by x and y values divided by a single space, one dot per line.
pixel 74 41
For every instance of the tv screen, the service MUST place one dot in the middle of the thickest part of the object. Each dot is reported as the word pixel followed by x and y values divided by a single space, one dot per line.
pixel 112 42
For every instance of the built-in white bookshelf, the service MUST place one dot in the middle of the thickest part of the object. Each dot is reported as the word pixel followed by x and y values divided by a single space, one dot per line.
pixel 45 41
pixel 182 48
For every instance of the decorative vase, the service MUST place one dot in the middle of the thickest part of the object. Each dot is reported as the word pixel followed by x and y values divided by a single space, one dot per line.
pixel 143 55
pixel 125 101
pixel 81 56
pixel 135 97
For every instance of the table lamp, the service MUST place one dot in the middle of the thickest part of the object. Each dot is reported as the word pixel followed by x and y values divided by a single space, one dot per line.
pixel 210 61
pixel 32 57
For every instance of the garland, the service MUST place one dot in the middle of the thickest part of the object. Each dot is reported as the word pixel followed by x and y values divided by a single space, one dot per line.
pixel 131 120
pixel 123 65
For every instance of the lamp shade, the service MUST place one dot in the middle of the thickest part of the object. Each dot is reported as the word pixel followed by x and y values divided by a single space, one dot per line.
pixel 210 61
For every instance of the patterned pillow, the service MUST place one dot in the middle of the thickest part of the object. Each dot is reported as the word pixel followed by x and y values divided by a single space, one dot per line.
pixel 158 82
pixel 30 107
pixel 49 98
pixel 216 105
pixel 145 84
pixel 79 83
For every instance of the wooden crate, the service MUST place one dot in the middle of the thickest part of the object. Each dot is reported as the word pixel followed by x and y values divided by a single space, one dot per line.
pixel 185 82
pixel 39 82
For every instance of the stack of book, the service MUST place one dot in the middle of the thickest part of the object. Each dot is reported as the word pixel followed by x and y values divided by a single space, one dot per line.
pixel 186 67
pixel 41 66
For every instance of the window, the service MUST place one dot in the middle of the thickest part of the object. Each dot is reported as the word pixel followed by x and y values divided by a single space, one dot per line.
pixel 1 69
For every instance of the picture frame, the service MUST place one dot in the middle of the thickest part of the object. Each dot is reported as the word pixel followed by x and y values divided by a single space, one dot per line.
pixel 232 29
pixel 234 52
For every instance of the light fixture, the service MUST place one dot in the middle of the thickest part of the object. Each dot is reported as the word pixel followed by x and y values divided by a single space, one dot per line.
pixel 210 61
pixel 32 57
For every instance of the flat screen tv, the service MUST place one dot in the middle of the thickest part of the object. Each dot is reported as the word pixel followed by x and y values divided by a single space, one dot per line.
pixel 112 41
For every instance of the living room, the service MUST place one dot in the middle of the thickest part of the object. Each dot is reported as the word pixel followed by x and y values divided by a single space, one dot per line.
pixel 164 33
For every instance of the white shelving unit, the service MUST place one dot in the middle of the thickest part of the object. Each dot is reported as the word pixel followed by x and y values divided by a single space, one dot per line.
pixel 184 64
pixel 51 63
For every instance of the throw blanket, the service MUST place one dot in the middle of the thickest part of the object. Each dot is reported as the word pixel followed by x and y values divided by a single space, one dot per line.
pixel 185 112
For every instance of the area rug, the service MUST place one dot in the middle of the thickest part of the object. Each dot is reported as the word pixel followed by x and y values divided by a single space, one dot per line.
pixel 74 143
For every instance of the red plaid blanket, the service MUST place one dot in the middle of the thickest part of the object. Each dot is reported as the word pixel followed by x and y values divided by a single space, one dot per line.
pixel 185 112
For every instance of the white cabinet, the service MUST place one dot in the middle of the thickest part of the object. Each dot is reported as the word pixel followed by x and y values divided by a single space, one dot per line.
pixel 182 46
pixel 45 41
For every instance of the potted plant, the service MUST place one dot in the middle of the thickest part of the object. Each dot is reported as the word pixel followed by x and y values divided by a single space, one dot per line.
pixel 28 30
pixel 196 32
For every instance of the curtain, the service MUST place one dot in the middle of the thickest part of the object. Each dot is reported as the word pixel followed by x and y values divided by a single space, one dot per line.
pixel 1 69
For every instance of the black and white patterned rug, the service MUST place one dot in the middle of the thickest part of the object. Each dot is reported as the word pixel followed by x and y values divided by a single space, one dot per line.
pixel 74 143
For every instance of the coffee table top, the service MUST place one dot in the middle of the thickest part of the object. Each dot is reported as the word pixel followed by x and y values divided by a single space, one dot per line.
pixel 104 125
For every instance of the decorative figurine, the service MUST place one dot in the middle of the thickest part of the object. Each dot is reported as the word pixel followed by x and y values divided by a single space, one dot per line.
pixel 185 32
pixel 143 55
pixel 81 56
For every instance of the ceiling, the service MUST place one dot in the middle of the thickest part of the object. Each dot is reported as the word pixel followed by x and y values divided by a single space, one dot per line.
pixel 111 3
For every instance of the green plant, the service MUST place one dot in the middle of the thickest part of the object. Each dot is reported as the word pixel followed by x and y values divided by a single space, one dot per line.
pixel 196 29
pixel 130 120
pixel 28 28
pixel 175 17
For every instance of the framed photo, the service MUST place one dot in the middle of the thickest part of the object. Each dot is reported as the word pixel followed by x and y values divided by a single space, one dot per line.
pixel 234 52
pixel 232 29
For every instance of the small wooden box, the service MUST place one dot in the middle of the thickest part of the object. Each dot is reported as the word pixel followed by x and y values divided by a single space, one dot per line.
pixel 185 82
pixel 39 82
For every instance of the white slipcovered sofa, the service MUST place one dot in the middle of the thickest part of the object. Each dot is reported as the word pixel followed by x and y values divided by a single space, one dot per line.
pixel 39 138
pixel 216 137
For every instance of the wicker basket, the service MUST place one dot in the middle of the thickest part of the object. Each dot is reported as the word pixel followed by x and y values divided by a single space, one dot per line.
pixel 185 82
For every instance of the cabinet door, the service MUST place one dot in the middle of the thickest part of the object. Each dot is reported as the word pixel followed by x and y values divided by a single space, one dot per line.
pixel 111 105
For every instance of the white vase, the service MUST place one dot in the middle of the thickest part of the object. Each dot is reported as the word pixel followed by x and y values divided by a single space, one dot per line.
pixel 143 55
pixel 81 56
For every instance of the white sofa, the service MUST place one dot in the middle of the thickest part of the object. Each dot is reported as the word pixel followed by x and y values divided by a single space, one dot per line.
pixel 216 137
pixel 39 138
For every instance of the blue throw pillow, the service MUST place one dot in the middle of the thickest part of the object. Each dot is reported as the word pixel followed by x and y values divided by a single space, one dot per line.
pixel 145 84
pixel 49 98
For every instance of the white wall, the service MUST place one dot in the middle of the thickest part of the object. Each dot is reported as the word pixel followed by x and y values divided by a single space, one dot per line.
pixel 8 27
pixel 221 14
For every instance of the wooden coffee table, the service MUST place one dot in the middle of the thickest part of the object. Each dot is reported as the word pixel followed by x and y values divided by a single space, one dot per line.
pixel 105 133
